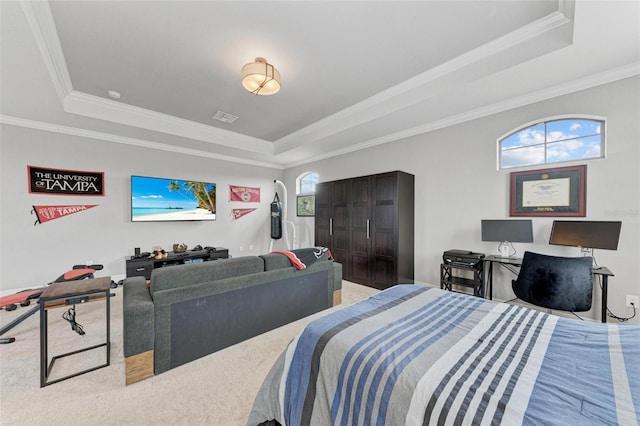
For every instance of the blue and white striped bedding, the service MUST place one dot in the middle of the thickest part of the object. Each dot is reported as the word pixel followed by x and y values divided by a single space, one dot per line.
pixel 411 355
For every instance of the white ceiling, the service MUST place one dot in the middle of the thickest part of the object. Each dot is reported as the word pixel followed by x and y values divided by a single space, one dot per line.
pixel 354 73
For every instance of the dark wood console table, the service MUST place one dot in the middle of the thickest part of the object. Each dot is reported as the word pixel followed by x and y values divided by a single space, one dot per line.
pixel 142 266
pixel 512 263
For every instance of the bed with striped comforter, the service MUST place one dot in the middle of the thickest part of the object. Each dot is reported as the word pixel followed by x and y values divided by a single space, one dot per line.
pixel 412 355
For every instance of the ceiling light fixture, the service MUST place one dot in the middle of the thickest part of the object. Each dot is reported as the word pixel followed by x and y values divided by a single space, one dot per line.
pixel 260 77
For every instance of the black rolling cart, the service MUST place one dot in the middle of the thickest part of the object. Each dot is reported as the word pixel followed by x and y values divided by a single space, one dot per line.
pixel 462 268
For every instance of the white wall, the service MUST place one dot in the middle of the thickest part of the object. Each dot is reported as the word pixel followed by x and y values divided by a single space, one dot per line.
pixel 457 185
pixel 32 256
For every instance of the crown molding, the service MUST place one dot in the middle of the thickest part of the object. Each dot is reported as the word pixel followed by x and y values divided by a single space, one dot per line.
pixel 609 76
pixel 394 99
pixel 116 112
pixel 44 31
pixel 42 25
pixel 419 88
pixel 74 131
pixel 429 82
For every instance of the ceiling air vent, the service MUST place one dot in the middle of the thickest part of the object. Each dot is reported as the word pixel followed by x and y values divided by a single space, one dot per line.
pixel 224 117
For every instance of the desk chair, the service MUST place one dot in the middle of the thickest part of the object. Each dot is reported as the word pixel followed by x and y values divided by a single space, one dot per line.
pixel 553 282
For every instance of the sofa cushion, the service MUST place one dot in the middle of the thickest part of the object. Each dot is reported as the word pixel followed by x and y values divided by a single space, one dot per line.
pixel 273 261
pixel 190 274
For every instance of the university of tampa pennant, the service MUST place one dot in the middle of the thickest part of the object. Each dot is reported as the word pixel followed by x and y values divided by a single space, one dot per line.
pixel 238 213
pixel 245 194
pixel 47 213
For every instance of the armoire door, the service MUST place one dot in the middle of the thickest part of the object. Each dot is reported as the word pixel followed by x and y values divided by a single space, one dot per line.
pixel 331 220
pixel 360 231
pixel 384 236
pixel 324 214
pixel 340 224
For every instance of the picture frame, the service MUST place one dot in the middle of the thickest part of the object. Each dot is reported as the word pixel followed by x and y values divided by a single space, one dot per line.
pixel 559 191
pixel 306 205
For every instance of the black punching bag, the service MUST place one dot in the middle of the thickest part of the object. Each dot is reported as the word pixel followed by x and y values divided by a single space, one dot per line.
pixel 276 218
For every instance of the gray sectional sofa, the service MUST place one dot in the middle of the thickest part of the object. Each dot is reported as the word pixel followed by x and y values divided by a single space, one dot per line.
pixel 189 311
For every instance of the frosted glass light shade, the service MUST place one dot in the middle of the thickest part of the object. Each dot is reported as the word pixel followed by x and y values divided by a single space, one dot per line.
pixel 260 77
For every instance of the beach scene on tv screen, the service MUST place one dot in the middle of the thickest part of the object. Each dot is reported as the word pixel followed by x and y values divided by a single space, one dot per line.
pixel 157 199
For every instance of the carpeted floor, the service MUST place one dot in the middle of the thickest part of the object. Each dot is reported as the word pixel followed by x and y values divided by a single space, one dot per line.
pixel 215 390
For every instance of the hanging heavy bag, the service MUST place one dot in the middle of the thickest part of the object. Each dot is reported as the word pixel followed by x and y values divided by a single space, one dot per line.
pixel 276 218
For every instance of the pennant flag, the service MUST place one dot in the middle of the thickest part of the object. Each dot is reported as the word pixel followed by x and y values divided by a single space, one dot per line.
pixel 47 213
pixel 238 213
pixel 245 194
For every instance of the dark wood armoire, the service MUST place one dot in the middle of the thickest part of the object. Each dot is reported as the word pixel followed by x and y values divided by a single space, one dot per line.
pixel 368 223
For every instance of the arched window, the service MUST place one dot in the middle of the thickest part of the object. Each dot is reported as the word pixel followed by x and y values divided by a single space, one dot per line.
pixel 306 183
pixel 552 141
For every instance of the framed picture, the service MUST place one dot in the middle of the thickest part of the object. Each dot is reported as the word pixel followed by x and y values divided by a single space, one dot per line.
pixel 306 205
pixel 549 192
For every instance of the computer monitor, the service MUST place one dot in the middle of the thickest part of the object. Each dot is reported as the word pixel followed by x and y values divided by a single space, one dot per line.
pixel 586 233
pixel 507 231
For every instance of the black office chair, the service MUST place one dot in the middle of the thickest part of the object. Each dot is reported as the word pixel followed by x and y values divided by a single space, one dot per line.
pixel 553 282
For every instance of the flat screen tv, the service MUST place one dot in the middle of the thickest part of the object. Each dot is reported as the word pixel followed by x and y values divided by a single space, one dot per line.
pixel 585 233
pixel 159 199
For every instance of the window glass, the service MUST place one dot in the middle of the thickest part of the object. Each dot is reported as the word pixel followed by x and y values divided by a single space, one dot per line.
pixel 530 136
pixel 553 141
pixel 307 183
pixel 523 157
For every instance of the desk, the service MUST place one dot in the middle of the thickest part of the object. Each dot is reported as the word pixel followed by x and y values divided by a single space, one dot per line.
pixel 63 294
pixel 511 263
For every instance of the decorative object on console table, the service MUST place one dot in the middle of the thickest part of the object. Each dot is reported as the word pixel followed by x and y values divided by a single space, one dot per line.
pixel 142 267
pixel 549 192
pixel 180 247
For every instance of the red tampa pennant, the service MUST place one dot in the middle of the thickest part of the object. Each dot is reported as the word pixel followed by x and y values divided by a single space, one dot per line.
pixel 47 213
pixel 245 194
pixel 238 213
